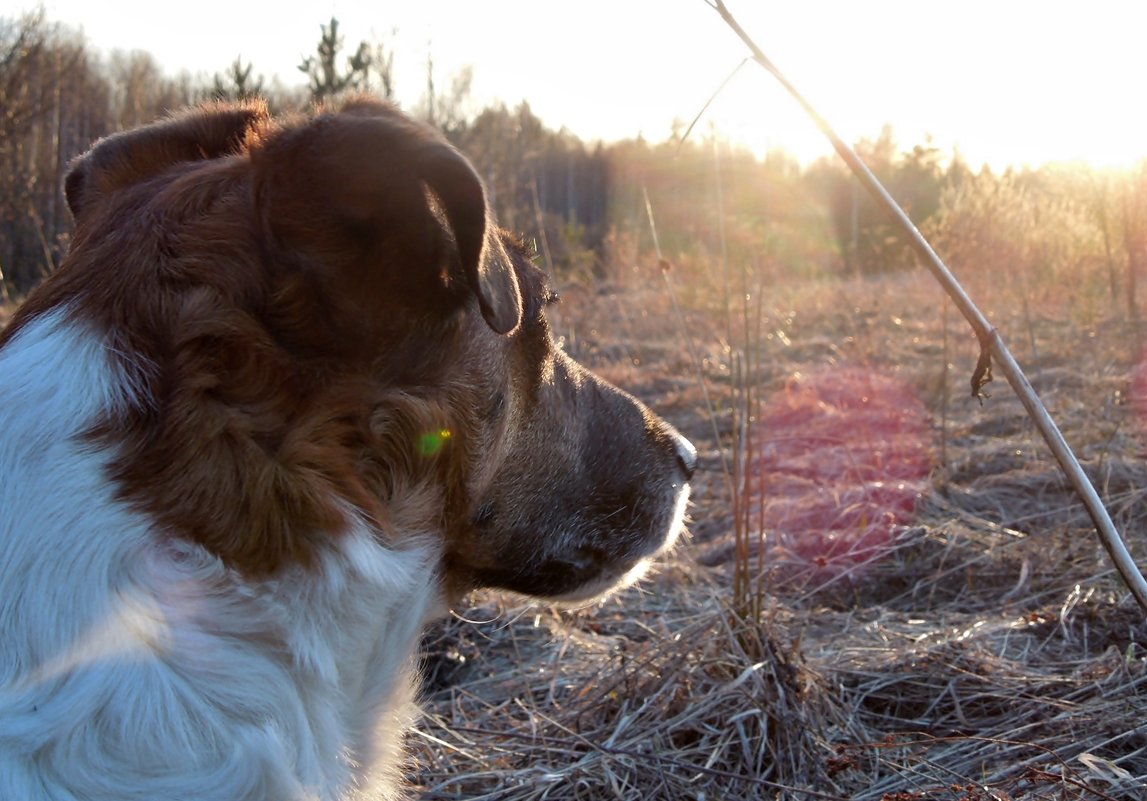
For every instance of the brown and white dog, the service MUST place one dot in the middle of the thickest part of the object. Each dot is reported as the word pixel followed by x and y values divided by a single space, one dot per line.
pixel 290 395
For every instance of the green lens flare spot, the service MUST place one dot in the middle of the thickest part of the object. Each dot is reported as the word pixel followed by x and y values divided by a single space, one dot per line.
pixel 432 442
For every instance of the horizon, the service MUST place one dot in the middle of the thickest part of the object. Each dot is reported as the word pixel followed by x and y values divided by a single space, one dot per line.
pixel 1020 86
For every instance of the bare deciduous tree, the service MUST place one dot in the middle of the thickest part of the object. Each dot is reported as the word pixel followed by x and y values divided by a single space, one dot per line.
pixel 38 132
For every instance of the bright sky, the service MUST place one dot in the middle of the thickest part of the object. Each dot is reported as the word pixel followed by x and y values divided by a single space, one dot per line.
pixel 1005 81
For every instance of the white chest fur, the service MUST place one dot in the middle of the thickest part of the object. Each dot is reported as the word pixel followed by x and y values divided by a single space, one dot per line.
pixel 137 666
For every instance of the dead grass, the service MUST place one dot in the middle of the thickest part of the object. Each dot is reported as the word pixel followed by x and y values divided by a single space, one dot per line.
pixel 668 703
pixel 986 652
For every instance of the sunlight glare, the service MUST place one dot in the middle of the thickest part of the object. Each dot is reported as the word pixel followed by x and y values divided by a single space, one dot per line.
pixel 1020 83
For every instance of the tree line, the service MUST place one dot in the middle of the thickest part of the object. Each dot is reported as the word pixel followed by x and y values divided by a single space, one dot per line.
pixel 591 210
pixel 57 97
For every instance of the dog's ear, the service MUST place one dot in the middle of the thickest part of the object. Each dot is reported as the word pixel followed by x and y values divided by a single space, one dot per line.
pixel 123 159
pixel 488 268
pixel 385 205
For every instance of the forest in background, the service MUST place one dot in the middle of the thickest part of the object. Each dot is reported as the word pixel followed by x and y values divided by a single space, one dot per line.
pixel 591 208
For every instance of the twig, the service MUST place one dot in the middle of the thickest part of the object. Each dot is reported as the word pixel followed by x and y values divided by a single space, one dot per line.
pixel 709 102
pixel 540 221
pixel 663 265
pixel 991 343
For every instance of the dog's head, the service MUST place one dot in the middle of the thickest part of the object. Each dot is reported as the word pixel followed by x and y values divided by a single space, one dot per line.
pixel 320 322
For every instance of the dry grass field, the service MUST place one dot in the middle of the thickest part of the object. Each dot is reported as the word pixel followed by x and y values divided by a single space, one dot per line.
pixel 888 591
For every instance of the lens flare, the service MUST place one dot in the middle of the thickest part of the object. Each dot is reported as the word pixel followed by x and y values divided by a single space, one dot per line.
pixel 431 443
pixel 844 457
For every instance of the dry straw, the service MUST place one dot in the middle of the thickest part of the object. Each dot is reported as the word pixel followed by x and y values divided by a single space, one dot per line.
pixel 991 343
pixel 986 655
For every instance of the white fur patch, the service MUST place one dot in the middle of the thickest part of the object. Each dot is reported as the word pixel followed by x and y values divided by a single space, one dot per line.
pixel 134 660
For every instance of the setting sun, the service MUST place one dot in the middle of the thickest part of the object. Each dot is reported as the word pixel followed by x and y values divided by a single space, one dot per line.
pixel 1004 83
pixel 1018 83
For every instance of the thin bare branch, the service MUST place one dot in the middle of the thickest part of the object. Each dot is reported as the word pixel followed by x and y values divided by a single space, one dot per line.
pixel 991 343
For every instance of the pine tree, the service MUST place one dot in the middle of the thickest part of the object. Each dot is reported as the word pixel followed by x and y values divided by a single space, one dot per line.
pixel 326 80
pixel 237 84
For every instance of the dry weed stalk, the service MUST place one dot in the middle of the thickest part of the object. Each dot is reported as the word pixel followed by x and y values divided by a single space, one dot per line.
pixel 665 267
pixel 991 343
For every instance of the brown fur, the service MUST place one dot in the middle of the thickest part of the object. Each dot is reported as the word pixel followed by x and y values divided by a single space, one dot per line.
pixel 324 385
pixel 299 305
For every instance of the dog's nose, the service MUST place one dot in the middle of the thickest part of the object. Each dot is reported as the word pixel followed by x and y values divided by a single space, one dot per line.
pixel 686 455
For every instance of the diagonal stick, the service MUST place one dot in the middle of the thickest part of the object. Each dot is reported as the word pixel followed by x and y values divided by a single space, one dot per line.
pixel 991 344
